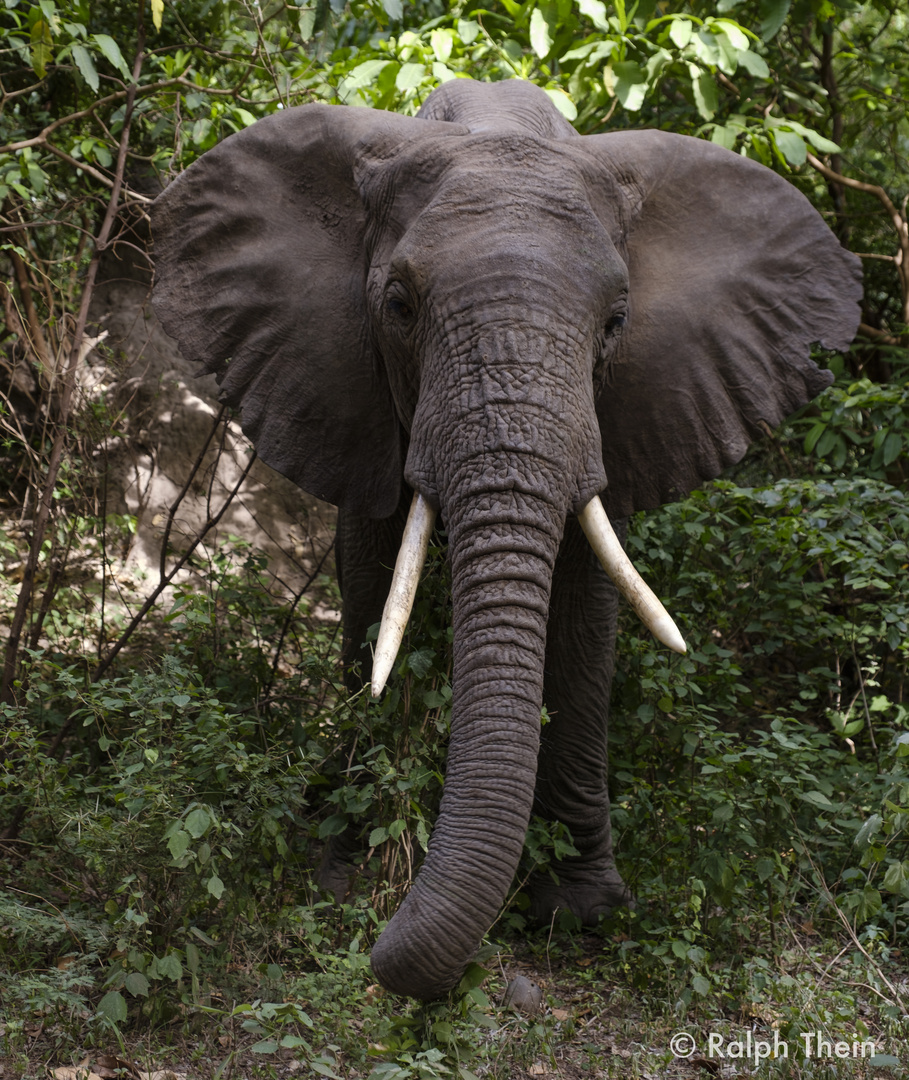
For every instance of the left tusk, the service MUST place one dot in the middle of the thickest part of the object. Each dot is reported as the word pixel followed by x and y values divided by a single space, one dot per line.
pixel 411 558
pixel 628 581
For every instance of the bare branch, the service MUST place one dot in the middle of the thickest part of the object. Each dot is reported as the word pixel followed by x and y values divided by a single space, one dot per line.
pixel 897 217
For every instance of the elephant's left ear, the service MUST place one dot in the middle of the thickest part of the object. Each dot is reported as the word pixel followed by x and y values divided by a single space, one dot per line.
pixel 733 276
pixel 260 270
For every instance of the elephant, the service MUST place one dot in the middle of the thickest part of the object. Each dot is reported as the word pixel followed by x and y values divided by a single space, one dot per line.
pixel 482 314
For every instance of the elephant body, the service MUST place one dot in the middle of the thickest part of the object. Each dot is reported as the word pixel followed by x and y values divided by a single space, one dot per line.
pixel 509 319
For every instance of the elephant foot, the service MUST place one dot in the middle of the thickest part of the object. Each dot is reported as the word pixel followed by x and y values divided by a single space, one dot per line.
pixel 588 900
pixel 339 868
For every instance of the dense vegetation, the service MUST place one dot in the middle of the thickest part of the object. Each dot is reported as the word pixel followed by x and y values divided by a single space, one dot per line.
pixel 169 771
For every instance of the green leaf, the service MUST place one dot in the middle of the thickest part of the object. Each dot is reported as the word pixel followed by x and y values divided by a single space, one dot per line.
pixel 883 1061
pixel 818 799
pixel 474 976
pixel 724 136
pixel 378 836
pixel 394 9
pixel 705 92
pixel 137 984
pixel 170 967
pixel 442 73
pixel 764 868
pixel 468 31
pixel 86 66
pixel 700 985
pixel 113 1006
pixel 596 12
pixel 215 886
pixel 893 447
pixel 813 435
pixel 869 904
pixel 265 1046
pixel 198 822
pixel 754 64
pixel 409 77
pixel 177 844
pixel 896 877
pixel 111 51
pixel 630 84
pixel 773 15
pixel 791 146
pixel 441 42
pixel 157 12
pixel 332 826
pixel 420 661
pixel 680 32
pixel 247 119
pixel 323 1070
pixel 540 36
pixel 193 957
pixel 736 35
pixel 307 23
pixel 41 47
pixel 563 103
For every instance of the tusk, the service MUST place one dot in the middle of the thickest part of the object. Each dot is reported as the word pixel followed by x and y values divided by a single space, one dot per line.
pixel 411 558
pixel 629 582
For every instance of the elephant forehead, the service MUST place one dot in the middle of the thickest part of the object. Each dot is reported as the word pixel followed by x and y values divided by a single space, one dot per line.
pixel 493 245
pixel 478 177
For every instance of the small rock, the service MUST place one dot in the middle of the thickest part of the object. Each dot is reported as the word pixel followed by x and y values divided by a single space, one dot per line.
pixel 523 996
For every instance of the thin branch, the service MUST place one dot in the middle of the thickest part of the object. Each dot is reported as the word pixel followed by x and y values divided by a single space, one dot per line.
pixel 90 170
pixel 168 578
pixel 76 355
pixel 899 222
pixel 137 91
pixel 172 512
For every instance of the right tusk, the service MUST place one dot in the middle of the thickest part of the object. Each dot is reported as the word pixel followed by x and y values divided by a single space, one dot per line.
pixel 411 558
pixel 628 581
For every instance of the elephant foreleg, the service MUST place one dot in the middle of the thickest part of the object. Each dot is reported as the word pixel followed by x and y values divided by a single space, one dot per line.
pixel 572 770
pixel 365 553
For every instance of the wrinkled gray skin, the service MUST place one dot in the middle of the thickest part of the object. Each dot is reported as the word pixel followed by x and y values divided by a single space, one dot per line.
pixel 483 306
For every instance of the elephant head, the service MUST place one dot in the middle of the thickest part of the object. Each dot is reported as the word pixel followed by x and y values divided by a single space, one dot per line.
pixel 512 319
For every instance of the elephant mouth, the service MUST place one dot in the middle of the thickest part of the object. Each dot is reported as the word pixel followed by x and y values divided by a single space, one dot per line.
pixel 412 555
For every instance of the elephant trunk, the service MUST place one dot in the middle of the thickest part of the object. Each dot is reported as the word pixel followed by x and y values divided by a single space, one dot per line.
pixel 502 545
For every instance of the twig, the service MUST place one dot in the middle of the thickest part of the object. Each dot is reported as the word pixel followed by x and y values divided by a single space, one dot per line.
pixel 897 217
pixel 171 513
pixel 55 459
pixel 168 578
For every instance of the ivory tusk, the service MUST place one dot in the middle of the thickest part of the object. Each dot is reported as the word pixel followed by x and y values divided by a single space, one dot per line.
pixel 629 582
pixel 404 582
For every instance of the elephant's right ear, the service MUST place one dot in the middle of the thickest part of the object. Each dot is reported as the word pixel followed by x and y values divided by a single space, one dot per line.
pixel 260 275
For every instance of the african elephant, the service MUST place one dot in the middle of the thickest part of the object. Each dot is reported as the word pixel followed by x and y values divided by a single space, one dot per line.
pixel 482 307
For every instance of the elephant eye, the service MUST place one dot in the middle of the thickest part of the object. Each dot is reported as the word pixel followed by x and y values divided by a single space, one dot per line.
pixel 616 322
pixel 399 303
pixel 399 308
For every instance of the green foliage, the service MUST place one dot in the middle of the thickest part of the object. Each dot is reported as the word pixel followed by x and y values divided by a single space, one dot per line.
pixel 863 429
pixel 168 811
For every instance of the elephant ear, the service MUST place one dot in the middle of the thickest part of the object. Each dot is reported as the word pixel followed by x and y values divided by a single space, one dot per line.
pixel 260 276
pixel 733 276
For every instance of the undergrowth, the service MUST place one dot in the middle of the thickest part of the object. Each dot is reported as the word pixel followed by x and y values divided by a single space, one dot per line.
pixel 164 817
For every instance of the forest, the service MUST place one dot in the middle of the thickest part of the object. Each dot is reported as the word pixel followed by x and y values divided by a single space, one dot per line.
pixel 175 730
